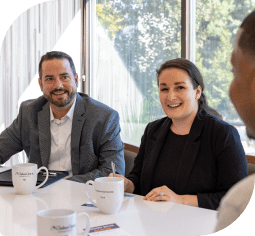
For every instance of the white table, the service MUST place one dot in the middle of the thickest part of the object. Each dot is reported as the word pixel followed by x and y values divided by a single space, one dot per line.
pixel 136 216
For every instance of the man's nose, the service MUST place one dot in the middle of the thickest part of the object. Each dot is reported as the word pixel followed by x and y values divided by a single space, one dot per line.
pixel 58 83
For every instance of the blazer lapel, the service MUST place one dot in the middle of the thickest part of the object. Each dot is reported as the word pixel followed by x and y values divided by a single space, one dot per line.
pixel 78 121
pixel 44 134
pixel 189 155
pixel 155 144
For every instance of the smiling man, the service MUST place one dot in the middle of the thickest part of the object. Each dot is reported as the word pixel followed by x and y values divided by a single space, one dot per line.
pixel 242 94
pixel 65 130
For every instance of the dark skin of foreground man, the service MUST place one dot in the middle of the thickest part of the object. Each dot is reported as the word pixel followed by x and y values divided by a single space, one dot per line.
pixel 242 94
pixel 89 137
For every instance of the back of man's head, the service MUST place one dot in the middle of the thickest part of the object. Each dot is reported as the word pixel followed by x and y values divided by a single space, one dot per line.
pixel 56 55
pixel 247 38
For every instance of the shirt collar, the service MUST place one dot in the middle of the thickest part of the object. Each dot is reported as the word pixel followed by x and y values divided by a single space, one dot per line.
pixel 69 113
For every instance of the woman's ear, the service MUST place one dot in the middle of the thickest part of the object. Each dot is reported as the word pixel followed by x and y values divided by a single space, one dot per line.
pixel 198 92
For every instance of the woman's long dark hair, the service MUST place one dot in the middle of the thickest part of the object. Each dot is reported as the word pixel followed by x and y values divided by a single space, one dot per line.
pixel 196 79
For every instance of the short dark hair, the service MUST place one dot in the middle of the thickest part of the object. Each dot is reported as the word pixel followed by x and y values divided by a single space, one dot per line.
pixel 56 55
pixel 196 79
pixel 247 38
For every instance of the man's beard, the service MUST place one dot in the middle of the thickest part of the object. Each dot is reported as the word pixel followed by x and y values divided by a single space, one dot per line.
pixel 61 103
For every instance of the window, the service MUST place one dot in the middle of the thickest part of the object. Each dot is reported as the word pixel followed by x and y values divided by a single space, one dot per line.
pixel 129 41
pixel 217 23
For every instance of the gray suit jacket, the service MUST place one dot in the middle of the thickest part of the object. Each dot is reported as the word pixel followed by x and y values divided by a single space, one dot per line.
pixel 95 137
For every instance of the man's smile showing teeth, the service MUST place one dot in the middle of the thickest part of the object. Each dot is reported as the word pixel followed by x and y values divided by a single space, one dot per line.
pixel 175 105
pixel 58 93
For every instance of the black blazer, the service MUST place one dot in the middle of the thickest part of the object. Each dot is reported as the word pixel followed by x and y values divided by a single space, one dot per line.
pixel 213 159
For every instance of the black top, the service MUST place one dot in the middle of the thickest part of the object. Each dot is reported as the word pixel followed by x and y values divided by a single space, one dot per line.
pixel 169 159
pixel 213 159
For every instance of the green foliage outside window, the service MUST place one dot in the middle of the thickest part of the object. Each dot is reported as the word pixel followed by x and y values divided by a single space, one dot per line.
pixel 147 33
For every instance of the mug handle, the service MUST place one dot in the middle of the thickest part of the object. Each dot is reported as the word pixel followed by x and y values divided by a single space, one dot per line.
pixel 87 222
pixel 46 178
pixel 87 191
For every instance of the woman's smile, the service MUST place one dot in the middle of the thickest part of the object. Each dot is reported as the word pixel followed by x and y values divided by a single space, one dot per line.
pixel 175 105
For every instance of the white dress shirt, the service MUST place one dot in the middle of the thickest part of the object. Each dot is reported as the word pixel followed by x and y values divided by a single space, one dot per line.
pixel 60 156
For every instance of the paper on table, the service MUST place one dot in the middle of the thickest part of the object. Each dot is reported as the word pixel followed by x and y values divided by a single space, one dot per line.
pixel 107 230
pixel 128 195
pixel 4 168
pixel 88 204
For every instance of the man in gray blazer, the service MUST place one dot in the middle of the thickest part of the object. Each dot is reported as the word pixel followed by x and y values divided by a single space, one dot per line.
pixel 65 130
pixel 242 94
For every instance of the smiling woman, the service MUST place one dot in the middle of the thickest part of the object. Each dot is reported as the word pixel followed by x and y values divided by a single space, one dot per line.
pixel 189 69
pixel 191 156
pixel 178 98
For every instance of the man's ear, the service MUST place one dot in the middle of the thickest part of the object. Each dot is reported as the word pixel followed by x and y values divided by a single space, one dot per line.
pixel 40 84
pixel 251 85
pixel 76 79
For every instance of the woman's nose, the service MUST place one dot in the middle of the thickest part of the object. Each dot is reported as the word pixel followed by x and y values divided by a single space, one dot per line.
pixel 171 95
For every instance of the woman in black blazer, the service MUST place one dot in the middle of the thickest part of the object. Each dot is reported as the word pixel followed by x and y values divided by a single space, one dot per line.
pixel 191 156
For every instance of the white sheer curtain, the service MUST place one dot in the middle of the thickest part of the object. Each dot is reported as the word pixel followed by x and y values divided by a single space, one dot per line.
pixel 33 33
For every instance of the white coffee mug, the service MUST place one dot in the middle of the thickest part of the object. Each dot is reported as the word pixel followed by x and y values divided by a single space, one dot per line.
pixel 60 222
pixel 109 192
pixel 24 177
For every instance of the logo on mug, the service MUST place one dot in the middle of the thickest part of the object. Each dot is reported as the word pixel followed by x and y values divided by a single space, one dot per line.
pixel 63 228
pixel 100 191
pixel 24 174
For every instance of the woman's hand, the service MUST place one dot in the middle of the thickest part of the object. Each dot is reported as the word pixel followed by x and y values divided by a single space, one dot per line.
pixel 163 194
pixel 128 184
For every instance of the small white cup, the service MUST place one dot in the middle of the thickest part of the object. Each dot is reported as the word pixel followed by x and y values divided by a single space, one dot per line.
pixel 24 177
pixel 109 192
pixel 60 222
